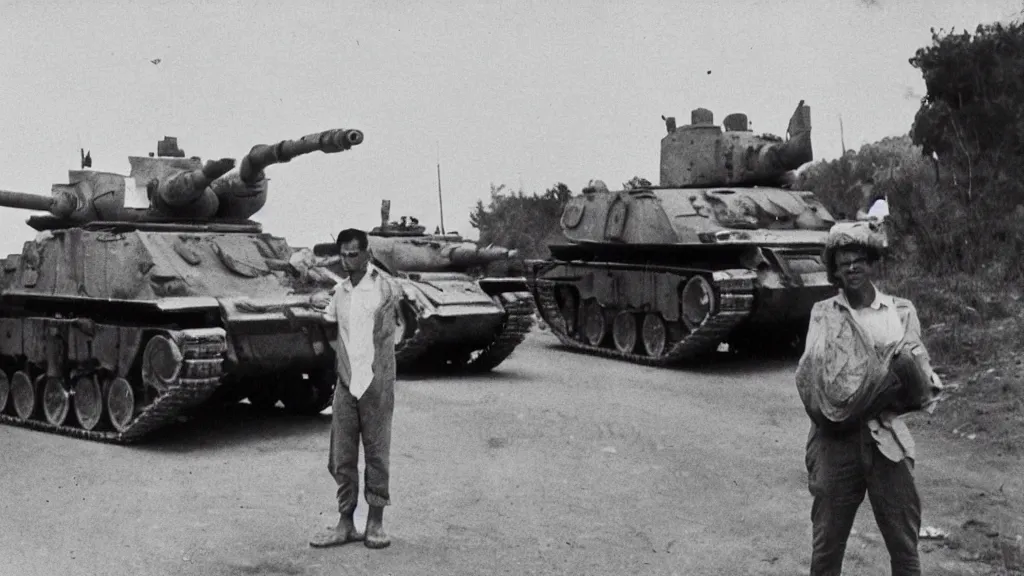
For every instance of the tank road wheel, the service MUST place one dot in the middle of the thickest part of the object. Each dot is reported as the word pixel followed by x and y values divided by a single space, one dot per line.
pixel 120 403
pixel 654 335
pixel 23 395
pixel 56 399
pixel 698 302
pixel 624 331
pixel 595 327
pixel 5 391
pixel 88 402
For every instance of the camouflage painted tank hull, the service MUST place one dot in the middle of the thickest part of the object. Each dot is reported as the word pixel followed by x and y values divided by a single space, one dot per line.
pixel 662 305
pixel 452 321
pixel 103 337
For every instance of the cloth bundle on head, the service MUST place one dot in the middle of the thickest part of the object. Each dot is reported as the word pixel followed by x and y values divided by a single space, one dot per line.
pixel 864 233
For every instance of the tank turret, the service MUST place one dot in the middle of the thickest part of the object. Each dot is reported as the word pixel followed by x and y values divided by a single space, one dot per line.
pixel 432 255
pixel 89 196
pixel 427 253
pixel 701 154
pixel 405 247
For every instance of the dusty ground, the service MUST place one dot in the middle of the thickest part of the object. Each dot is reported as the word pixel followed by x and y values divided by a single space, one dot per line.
pixel 555 464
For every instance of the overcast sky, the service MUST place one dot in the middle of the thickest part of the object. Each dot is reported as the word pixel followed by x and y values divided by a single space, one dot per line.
pixel 517 93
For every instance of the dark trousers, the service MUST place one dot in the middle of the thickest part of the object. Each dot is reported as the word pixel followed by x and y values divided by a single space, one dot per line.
pixel 369 417
pixel 841 467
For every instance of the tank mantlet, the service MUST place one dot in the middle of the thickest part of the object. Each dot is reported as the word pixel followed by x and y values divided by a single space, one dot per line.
pixel 701 154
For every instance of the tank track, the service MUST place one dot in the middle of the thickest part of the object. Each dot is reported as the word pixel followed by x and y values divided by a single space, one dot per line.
pixel 736 300
pixel 516 324
pixel 202 356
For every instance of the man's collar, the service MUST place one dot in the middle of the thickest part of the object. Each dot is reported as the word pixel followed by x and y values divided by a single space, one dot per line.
pixel 881 299
pixel 371 271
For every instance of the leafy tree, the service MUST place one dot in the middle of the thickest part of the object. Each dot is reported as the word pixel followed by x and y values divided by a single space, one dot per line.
pixel 525 223
pixel 972 116
pixel 972 121
pixel 636 182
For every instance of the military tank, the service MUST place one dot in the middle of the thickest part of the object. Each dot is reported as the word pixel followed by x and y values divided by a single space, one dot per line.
pixel 722 251
pixel 453 315
pixel 117 318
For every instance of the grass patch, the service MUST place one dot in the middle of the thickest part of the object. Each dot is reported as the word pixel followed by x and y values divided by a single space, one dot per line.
pixel 968 321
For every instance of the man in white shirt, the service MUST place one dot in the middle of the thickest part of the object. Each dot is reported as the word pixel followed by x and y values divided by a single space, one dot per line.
pixel 863 366
pixel 363 307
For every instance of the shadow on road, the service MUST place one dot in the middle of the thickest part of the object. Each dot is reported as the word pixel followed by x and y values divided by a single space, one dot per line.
pixel 234 425
pixel 449 374
pixel 722 363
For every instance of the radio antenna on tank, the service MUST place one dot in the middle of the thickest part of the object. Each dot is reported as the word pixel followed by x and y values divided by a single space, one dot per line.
pixel 440 200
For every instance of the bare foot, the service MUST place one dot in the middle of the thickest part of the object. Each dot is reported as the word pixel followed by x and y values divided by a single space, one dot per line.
pixel 335 536
pixel 376 538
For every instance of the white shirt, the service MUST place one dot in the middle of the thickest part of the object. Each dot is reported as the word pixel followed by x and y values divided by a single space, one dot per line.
pixel 355 307
pixel 880 320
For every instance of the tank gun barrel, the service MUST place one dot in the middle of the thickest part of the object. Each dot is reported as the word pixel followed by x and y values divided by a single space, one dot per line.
pixel 328 142
pixel 62 204
pixel 474 256
pixel 243 193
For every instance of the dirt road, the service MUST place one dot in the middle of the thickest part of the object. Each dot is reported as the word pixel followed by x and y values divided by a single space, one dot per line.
pixel 556 463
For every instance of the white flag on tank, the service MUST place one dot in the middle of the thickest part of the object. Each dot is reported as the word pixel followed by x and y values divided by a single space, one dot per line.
pixel 135 194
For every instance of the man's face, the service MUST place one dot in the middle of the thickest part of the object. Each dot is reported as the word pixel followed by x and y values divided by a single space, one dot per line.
pixel 352 258
pixel 853 268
